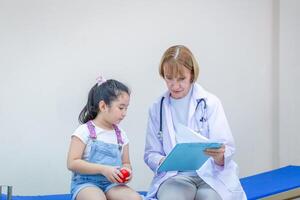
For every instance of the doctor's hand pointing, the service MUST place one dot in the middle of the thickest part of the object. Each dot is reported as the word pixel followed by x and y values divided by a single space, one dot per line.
pixel 217 154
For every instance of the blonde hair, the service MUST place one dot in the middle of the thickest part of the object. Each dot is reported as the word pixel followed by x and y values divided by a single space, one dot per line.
pixel 174 58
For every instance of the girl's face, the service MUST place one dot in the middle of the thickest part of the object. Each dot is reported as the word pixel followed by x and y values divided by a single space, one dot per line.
pixel 118 109
pixel 179 84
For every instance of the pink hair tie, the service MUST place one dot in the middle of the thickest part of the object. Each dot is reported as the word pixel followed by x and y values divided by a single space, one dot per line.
pixel 100 80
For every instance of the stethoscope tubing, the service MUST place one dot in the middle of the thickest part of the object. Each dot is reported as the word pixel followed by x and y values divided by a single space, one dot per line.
pixel 203 118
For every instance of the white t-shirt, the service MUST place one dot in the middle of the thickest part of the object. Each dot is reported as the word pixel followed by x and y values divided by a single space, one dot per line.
pixel 107 136
pixel 180 110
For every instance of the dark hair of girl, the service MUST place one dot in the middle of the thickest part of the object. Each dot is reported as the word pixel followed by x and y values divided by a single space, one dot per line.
pixel 108 91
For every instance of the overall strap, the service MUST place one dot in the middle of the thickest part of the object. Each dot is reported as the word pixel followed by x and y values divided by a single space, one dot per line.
pixel 93 135
pixel 119 138
pixel 91 128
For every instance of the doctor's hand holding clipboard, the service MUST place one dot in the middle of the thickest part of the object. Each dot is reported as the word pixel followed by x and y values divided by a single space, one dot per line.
pixel 217 154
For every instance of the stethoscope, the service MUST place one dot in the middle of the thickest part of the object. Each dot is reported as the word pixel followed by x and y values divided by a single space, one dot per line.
pixel 203 119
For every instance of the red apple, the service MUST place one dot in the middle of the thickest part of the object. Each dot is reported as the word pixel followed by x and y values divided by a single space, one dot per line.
pixel 125 174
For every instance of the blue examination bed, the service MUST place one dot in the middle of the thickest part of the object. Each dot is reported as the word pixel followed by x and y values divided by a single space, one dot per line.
pixel 282 183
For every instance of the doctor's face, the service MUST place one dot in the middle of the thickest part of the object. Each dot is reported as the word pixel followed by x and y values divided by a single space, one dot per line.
pixel 179 83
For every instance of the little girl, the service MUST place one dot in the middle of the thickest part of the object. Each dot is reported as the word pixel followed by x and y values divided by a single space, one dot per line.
pixel 99 149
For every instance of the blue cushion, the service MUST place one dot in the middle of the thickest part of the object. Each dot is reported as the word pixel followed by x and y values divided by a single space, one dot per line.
pixel 49 197
pixel 271 182
pixel 256 186
pixel 42 197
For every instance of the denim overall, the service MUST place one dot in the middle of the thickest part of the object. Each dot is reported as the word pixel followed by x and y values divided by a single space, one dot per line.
pixel 100 153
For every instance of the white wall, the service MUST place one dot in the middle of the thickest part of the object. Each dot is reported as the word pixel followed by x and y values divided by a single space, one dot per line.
pixel 52 51
pixel 289 82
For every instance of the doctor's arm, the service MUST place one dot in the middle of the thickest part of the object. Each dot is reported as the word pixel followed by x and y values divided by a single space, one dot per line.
pixel 220 131
pixel 154 153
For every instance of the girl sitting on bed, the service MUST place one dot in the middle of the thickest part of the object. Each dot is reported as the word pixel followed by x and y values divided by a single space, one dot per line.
pixel 99 149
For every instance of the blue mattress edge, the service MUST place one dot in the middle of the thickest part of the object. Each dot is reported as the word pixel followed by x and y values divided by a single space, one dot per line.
pixel 256 186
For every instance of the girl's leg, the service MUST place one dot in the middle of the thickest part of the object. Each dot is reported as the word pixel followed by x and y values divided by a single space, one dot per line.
pixel 91 193
pixel 122 192
pixel 179 187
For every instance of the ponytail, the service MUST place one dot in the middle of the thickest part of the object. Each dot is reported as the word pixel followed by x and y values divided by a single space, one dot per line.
pixel 90 110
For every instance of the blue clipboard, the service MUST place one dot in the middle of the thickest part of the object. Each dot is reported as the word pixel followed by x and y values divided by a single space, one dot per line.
pixel 187 157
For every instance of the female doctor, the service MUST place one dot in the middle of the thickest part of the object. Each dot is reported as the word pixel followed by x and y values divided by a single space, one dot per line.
pixel 187 103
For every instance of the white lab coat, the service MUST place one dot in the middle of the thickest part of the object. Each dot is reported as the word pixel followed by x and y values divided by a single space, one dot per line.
pixel 223 179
